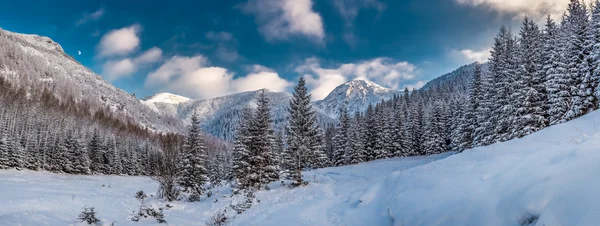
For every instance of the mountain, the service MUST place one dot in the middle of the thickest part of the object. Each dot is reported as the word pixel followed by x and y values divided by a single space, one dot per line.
pixel 219 116
pixel 38 63
pixel 356 95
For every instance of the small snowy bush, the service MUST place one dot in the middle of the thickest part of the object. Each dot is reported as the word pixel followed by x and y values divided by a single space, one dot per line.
pixel 146 212
pixel 218 219
pixel 88 215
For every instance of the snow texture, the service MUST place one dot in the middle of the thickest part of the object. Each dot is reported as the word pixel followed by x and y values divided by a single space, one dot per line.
pixel 355 95
pixel 547 178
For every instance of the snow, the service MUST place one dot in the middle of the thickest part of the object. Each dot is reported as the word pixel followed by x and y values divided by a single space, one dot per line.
pixel 219 116
pixel 166 98
pixel 84 84
pixel 355 95
pixel 548 178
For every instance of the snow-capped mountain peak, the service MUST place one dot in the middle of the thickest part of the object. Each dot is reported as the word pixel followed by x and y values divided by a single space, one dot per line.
pixel 356 95
pixel 167 98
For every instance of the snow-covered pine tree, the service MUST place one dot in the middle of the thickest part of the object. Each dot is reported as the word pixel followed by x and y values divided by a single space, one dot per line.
pixel 408 141
pixel 192 172
pixel 484 132
pixel 264 167
pixel 530 83
pixel 434 141
pixel 94 151
pixel 416 117
pixel 398 149
pixel 341 140
pixel 305 148
pixel 576 26
pixel 469 122
pixel 504 65
pixel 241 152
pixel 593 75
pixel 381 133
pixel 357 140
pixel 557 78
pixel 371 128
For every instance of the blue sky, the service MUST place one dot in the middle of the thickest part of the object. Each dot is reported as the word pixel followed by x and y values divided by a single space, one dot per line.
pixel 204 49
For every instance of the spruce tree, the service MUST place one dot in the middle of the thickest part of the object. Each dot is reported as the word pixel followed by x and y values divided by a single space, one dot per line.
pixel 578 48
pixel 341 139
pixel 357 136
pixel 305 148
pixel 530 89
pixel 557 80
pixel 192 173
pixel 264 167
pixel 241 152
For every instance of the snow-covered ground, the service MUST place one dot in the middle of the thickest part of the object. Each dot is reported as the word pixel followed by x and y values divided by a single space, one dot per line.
pixel 548 178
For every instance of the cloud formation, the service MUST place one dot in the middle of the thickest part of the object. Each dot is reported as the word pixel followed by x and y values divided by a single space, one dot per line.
pixel 194 77
pixel 383 71
pixel 471 56
pixel 280 19
pixel 536 9
pixel 116 69
pixel 89 17
pixel 120 42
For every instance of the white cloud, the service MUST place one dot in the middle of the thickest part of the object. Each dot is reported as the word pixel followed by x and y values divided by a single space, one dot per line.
pixel 534 8
pixel 194 77
pixel 152 55
pixel 116 69
pixel 470 56
pixel 261 78
pixel 88 17
pixel 382 71
pixel 280 19
pixel 416 85
pixel 120 42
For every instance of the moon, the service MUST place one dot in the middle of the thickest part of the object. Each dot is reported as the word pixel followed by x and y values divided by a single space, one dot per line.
pixel 79 52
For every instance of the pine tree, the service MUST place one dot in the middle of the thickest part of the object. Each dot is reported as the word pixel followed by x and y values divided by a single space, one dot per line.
pixel 577 49
pixel 593 74
pixel 434 141
pixel 531 93
pixel 193 174
pixel 504 63
pixel 357 134
pixel 371 136
pixel 398 148
pixel 469 123
pixel 263 165
pixel 94 151
pixel 305 148
pixel 557 80
pixel 341 139
pixel 241 152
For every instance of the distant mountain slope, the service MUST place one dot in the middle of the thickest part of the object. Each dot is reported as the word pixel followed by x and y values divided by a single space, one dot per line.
pixel 40 63
pixel 458 80
pixel 356 95
pixel 219 116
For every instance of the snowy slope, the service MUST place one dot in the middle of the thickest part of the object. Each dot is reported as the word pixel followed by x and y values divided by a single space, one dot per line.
pixel 549 178
pixel 356 95
pixel 42 198
pixel 66 76
pixel 219 116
